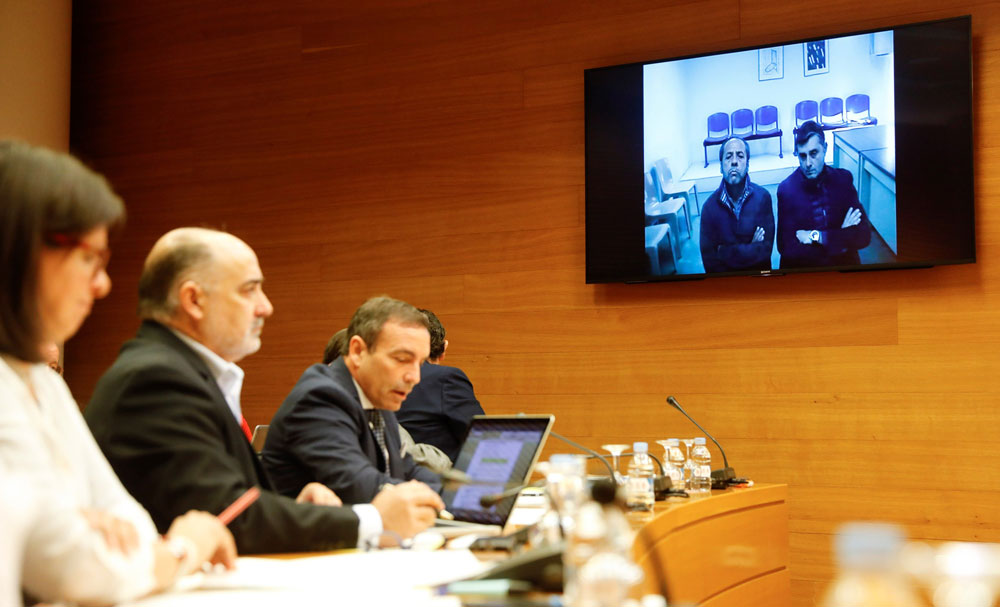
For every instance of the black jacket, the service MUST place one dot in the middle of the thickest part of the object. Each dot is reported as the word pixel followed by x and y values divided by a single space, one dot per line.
pixel 440 408
pixel 726 242
pixel 162 422
pixel 320 433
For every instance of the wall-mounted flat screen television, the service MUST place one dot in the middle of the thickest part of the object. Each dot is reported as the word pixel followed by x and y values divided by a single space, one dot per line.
pixel 849 152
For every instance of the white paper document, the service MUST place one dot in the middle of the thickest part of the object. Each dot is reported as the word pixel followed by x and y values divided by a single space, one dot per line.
pixel 401 577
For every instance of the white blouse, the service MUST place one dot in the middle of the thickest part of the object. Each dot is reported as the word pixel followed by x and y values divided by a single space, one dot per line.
pixel 48 445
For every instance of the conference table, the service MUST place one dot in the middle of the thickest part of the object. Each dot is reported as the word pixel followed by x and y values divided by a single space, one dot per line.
pixel 725 550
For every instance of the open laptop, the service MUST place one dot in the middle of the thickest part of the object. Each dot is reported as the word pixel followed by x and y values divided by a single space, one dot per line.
pixel 499 453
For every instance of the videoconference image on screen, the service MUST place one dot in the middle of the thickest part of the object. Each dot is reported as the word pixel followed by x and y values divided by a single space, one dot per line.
pixel 849 152
pixel 692 107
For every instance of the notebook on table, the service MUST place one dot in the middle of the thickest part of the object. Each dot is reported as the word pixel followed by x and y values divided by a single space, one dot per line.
pixel 499 453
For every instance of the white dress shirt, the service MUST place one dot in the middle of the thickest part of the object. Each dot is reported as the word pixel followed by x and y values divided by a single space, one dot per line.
pixel 228 375
pixel 46 444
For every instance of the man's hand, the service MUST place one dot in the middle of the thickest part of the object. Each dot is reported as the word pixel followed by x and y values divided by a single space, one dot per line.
pixel 803 236
pixel 212 540
pixel 118 534
pixel 319 494
pixel 852 218
pixel 407 508
pixel 758 235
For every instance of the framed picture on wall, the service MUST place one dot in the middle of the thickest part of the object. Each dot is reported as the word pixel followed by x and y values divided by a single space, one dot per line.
pixel 771 63
pixel 816 57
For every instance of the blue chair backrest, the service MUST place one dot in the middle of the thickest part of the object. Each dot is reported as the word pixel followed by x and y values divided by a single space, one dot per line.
pixel 806 110
pixel 832 107
pixel 858 104
pixel 718 124
pixel 767 118
pixel 742 120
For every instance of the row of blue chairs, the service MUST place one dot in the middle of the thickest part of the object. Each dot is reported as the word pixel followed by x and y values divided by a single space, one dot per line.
pixel 833 113
pixel 830 113
pixel 750 125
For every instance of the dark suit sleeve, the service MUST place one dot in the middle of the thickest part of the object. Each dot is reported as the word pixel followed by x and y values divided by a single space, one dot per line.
pixel 459 403
pixel 736 256
pixel 321 433
pixel 837 239
pixel 709 239
pixel 161 432
pixel 788 220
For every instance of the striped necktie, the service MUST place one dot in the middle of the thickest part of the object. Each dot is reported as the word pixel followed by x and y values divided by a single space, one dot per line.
pixel 377 423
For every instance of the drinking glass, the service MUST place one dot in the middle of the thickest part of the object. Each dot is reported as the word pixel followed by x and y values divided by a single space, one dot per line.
pixel 616 451
pixel 665 443
pixel 688 464
pixel 566 485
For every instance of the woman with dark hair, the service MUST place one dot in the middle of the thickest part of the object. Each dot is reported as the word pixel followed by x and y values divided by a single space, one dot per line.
pixel 82 537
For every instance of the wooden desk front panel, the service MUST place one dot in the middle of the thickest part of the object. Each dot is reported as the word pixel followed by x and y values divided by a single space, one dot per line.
pixel 729 547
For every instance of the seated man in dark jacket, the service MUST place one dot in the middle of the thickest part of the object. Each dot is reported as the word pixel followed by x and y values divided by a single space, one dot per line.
pixel 820 221
pixel 168 416
pixel 737 221
pixel 337 426
pixel 440 408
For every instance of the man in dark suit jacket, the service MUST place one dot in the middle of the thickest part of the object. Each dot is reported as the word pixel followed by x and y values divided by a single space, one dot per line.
pixel 328 428
pixel 440 408
pixel 820 220
pixel 167 417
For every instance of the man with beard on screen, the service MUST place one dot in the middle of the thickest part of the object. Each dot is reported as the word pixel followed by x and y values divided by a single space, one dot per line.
pixel 737 221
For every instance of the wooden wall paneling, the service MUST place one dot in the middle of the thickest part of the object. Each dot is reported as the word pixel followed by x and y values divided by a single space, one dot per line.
pixel 932 419
pixel 485 252
pixel 761 18
pixel 434 150
pixel 739 371
pixel 866 322
pixel 941 320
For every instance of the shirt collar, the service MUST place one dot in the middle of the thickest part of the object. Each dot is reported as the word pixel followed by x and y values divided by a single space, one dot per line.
pixel 736 205
pixel 365 403
pixel 228 375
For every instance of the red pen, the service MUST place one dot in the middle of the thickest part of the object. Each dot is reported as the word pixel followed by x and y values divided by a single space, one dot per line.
pixel 241 504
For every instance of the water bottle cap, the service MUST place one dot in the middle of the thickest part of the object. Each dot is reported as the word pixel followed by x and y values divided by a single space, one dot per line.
pixel 700 440
pixel 640 447
pixel 674 442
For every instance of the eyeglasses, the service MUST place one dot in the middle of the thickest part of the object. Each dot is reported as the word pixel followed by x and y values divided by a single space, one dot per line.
pixel 98 258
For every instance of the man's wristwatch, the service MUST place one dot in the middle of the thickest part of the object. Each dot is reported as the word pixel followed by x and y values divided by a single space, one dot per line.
pixel 814 236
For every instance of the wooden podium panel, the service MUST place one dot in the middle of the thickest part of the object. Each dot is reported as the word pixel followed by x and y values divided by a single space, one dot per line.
pixel 727 549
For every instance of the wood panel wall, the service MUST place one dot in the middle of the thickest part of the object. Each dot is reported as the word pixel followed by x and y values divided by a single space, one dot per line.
pixel 34 71
pixel 434 150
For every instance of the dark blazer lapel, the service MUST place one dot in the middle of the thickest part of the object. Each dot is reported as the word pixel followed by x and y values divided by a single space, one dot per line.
pixel 343 377
pixel 158 333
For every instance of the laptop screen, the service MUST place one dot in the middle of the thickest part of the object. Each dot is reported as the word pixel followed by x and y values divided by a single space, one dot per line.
pixel 498 454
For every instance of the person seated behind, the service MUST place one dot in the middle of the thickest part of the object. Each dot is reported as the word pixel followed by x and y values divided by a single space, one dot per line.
pixel 440 408
pixel 820 220
pixel 337 425
pixel 428 456
pixel 70 532
pixel 167 413
pixel 737 221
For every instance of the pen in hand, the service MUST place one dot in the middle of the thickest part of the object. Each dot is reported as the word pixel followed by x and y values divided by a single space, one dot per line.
pixel 241 504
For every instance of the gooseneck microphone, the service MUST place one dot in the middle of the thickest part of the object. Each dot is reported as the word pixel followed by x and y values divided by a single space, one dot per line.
pixel 492 499
pixel 455 477
pixel 588 450
pixel 726 474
